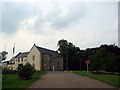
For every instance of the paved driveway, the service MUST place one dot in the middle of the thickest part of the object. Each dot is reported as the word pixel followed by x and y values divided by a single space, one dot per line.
pixel 67 80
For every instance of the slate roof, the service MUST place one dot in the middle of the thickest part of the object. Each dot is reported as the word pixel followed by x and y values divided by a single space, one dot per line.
pixel 44 50
pixel 23 54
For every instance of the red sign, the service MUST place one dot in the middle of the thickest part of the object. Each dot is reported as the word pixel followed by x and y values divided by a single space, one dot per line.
pixel 87 61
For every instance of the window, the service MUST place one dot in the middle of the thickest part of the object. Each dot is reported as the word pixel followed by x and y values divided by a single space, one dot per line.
pixel 22 59
pixel 25 59
pixel 18 59
pixel 45 66
pixel 46 57
pixel 33 57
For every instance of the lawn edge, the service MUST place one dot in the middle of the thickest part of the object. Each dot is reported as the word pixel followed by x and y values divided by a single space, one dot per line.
pixel 96 79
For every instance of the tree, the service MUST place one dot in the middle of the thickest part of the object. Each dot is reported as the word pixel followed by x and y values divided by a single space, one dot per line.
pixel 4 55
pixel 26 71
pixel 63 49
pixel 105 58
pixel 98 59
pixel 69 53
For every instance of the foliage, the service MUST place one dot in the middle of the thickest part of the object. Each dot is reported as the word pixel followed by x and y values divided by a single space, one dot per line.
pixel 6 70
pixel 4 53
pixel 69 53
pixel 105 59
pixel 26 71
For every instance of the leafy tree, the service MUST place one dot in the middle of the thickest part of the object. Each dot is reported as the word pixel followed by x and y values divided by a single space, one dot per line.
pixel 26 71
pixel 98 59
pixel 112 62
pixel 70 54
pixel 4 55
pixel 105 58
pixel 63 49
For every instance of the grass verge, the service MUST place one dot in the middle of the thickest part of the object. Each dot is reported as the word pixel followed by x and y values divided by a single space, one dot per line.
pixel 113 80
pixel 12 81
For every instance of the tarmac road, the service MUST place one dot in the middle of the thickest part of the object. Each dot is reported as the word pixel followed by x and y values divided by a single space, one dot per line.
pixel 60 79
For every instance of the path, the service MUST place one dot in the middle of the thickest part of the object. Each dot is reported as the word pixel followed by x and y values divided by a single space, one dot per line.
pixel 67 80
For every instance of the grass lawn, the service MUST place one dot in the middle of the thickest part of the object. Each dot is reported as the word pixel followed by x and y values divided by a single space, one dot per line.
pixel 113 80
pixel 13 81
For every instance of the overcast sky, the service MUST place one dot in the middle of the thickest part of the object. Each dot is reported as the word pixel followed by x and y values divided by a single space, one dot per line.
pixel 85 24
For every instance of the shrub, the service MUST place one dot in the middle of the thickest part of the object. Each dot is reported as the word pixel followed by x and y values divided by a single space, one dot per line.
pixel 6 70
pixel 26 71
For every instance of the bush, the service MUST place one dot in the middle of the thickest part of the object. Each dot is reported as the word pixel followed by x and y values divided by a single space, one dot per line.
pixel 6 70
pixel 25 72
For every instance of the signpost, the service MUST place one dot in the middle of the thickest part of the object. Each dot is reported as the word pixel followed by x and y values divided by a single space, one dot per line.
pixel 53 68
pixel 87 62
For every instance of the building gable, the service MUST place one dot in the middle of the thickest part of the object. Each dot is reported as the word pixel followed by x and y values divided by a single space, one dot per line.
pixel 34 57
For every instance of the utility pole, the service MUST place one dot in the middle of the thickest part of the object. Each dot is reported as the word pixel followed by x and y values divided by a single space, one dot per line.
pixel 80 63
pixel 5 47
pixel 67 59
pixel 87 68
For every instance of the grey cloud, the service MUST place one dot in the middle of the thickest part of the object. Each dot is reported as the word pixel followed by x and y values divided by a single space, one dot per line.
pixel 52 15
pixel 76 12
pixel 39 23
pixel 12 14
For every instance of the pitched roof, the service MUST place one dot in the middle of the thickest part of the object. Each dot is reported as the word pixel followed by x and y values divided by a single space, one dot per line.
pixel 23 54
pixel 12 59
pixel 44 50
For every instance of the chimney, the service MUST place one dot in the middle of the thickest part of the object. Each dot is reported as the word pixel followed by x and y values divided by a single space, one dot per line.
pixel 34 44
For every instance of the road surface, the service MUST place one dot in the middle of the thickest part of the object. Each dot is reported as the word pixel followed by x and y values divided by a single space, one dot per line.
pixel 67 80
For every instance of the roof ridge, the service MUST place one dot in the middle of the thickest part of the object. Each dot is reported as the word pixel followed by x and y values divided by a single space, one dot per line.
pixel 24 52
pixel 44 48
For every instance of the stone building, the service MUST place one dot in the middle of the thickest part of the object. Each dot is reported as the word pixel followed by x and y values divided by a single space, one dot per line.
pixel 40 58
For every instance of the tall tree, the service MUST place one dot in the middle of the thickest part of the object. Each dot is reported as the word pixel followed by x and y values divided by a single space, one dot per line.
pixel 4 55
pixel 105 58
pixel 63 49
pixel 70 54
